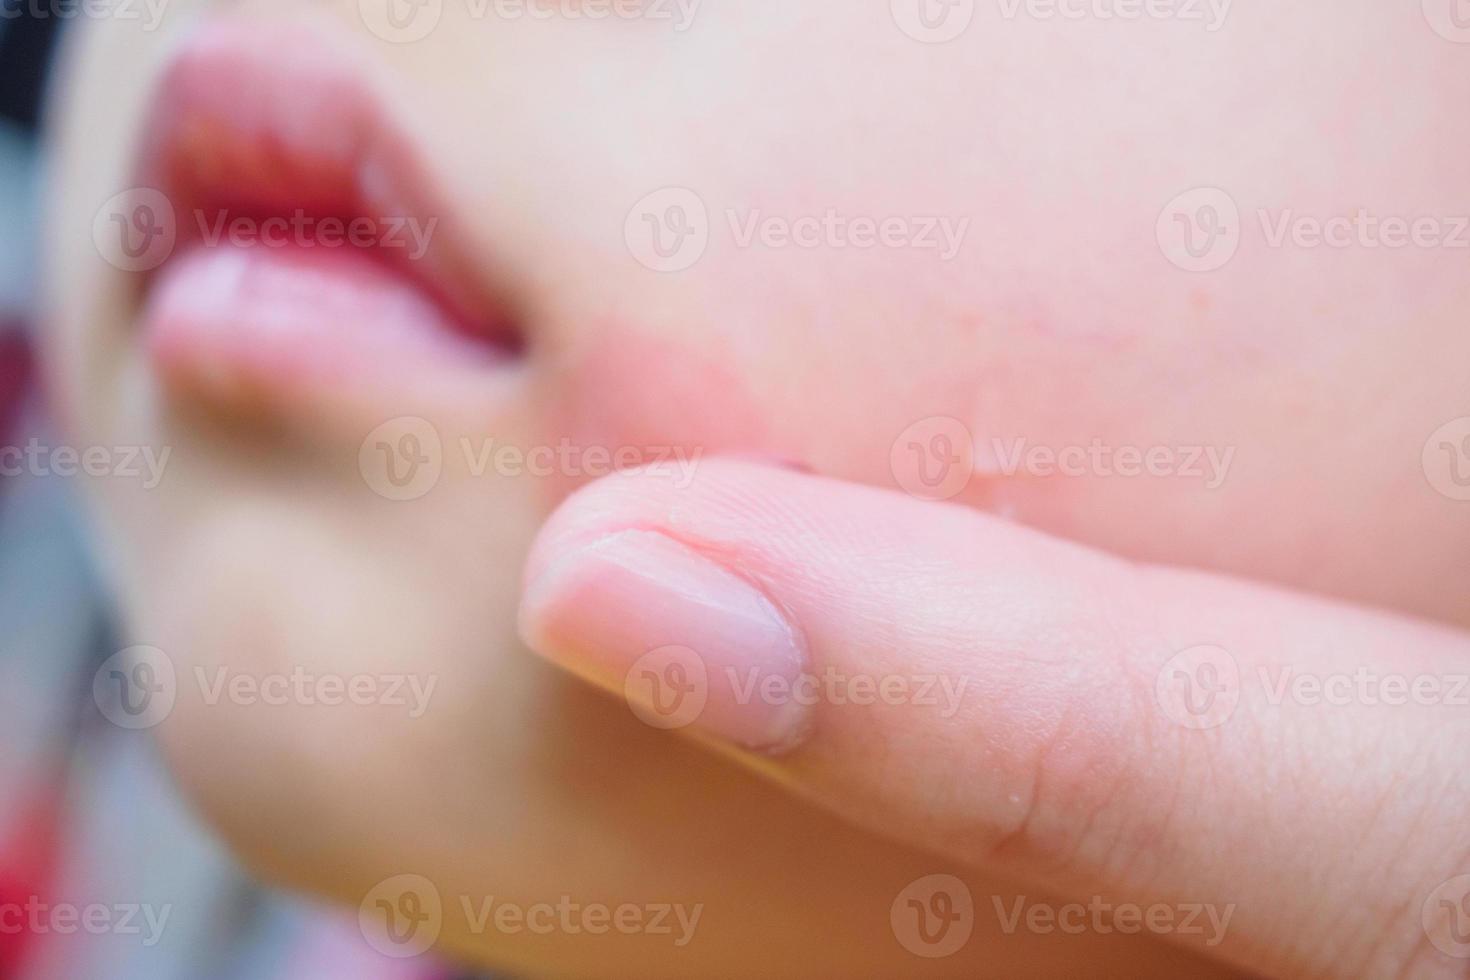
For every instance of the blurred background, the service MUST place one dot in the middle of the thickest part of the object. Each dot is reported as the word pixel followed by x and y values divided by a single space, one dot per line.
pixel 89 824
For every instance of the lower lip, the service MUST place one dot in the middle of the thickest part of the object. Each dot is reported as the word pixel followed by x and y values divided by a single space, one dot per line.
pixel 238 320
pixel 302 326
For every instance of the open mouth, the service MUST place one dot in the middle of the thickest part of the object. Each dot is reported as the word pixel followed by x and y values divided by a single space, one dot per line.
pixel 311 253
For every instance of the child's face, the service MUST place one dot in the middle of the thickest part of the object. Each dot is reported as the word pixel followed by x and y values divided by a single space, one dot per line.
pixel 897 231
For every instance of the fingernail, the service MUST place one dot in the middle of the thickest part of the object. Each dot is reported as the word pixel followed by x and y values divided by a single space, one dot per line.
pixel 686 641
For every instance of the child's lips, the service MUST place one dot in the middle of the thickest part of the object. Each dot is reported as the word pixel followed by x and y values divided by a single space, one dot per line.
pixel 294 319
pixel 263 138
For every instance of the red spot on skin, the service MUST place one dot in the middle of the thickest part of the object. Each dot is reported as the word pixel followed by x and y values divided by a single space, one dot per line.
pixel 643 400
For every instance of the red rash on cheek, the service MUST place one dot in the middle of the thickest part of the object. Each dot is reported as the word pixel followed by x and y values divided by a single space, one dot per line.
pixel 628 399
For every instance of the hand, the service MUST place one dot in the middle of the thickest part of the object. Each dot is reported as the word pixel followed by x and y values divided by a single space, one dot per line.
pixel 1293 766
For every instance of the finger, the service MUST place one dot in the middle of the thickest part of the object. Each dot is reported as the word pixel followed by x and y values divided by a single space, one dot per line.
pixel 1152 735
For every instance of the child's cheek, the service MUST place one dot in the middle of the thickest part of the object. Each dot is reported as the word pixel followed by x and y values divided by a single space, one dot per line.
pixel 629 399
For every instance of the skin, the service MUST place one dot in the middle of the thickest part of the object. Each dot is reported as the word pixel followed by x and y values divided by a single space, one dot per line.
pixel 1059 321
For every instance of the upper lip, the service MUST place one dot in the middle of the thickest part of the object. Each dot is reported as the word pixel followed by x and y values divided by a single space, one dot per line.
pixel 256 120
